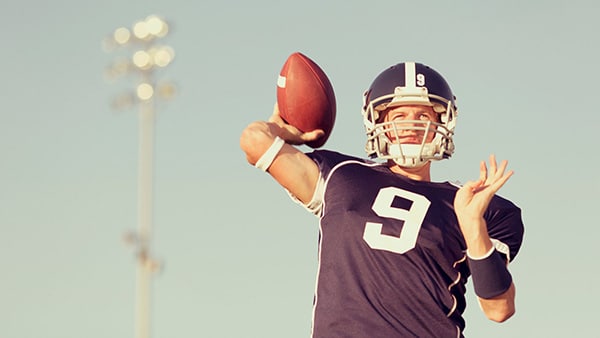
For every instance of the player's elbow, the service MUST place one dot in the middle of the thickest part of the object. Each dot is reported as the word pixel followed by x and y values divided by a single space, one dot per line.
pixel 500 308
pixel 500 315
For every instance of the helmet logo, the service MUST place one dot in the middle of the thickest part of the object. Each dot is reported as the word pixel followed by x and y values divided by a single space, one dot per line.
pixel 421 80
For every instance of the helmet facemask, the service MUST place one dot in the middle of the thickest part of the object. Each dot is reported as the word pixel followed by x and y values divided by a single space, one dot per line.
pixel 383 138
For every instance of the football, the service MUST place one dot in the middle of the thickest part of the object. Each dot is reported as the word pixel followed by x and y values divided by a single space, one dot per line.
pixel 305 97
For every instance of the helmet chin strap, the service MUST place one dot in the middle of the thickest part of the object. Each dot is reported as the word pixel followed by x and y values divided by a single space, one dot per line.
pixel 411 155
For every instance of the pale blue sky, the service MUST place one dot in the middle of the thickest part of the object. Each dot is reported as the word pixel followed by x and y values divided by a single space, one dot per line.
pixel 240 257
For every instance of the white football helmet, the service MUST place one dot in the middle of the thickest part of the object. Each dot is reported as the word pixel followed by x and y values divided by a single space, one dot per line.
pixel 409 83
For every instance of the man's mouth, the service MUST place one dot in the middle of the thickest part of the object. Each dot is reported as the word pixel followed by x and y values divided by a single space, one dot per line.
pixel 410 139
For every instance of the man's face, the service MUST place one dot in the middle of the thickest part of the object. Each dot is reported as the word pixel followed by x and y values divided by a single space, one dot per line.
pixel 410 114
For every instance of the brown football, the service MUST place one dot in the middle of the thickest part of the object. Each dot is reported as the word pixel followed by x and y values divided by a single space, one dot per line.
pixel 305 97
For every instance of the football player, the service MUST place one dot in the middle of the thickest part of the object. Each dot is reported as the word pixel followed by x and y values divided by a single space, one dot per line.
pixel 396 249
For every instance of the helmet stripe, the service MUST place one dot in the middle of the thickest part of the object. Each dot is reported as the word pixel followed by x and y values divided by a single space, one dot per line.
pixel 410 74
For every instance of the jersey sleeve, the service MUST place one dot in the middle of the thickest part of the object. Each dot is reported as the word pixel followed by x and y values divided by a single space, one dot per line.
pixel 505 226
pixel 326 160
pixel 315 206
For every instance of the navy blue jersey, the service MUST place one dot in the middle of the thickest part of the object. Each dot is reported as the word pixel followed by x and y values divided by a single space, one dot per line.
pixel 392 258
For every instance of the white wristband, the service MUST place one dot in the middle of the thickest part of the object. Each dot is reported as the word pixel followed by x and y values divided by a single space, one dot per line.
pixel 265 161
pixel 487 254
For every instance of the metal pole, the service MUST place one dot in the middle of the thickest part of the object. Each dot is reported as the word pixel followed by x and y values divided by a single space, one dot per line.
pixel 145 216
pixel 148 57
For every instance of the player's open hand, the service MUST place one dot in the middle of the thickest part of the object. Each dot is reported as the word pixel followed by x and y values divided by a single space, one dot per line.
pixel 291 134
pixel 473 198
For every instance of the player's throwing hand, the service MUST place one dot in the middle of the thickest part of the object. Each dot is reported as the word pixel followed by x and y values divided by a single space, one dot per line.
pixel 291 134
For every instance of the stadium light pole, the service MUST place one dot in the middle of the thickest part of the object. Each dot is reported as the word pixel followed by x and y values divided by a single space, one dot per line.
pixel 147 58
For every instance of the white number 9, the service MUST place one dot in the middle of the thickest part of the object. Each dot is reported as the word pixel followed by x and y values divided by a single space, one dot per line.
pixel 413 219
pixel 421 80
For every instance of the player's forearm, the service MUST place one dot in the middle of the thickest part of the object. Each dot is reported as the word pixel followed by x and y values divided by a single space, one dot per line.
pixel 476 236
pixel 499 308
pixel 491 279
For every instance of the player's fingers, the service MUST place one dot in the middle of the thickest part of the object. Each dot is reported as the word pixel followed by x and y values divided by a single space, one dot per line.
pixel 502 177
pixel 482 171
pixel 473 186
pixel 500 182
pixel 313 135
pixel 493 164
pixel 275 117
pixel 499 171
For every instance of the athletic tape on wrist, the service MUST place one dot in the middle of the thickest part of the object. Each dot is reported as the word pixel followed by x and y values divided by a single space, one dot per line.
pixel 490 275
pixel 265 161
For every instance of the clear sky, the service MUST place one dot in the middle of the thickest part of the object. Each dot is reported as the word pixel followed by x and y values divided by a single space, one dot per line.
pixel 239 257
